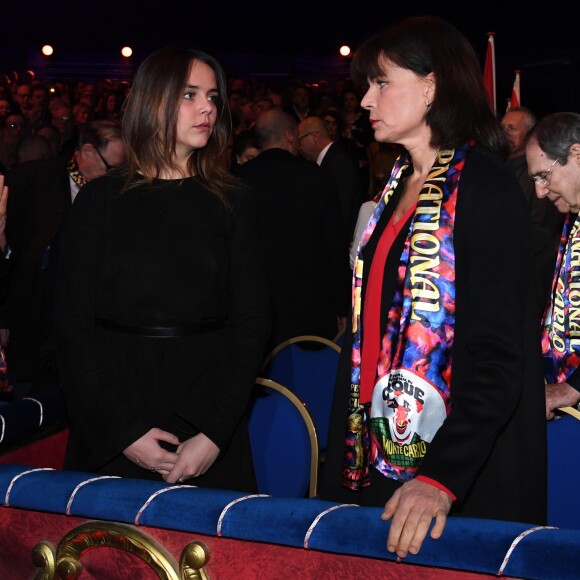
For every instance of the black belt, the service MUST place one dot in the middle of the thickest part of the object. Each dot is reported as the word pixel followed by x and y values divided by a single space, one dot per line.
pixel 163 331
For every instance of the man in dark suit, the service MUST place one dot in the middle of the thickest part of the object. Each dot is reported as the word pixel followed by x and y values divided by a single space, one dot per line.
pixel 301 231
pixel 316 145
pixel 547 221
pixel 41 192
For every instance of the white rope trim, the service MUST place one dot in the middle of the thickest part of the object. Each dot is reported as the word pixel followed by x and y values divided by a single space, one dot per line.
pixel 153 496
pixel 16 477
pixel 39 404
pixel 83 483
pixel 517 541
pixel 3 428
pixel 232 503
pixel 319 517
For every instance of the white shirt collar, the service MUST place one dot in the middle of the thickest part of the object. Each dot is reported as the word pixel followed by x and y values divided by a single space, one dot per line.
pixel 74 188
pixel 323 153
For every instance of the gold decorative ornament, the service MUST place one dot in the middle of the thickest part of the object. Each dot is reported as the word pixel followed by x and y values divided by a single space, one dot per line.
pixel 65 561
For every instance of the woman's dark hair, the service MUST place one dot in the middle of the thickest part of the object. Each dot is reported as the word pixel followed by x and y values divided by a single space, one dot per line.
pixel 150 121
pixel 244 140
pixel 460 110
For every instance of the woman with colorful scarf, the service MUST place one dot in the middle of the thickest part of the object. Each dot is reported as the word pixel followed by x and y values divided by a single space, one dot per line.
pixel 439 403
pixel 553 156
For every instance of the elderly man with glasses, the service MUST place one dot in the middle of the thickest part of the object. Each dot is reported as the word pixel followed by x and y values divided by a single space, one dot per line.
pixel 553 156
pixel 41 194
pixel 547 221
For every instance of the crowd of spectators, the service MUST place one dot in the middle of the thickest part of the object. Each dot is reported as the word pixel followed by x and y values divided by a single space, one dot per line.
pixel 55 112
pixel 44 121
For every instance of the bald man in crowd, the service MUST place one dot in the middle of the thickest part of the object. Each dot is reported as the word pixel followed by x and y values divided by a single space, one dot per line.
pixel 301 232
pixel 316 145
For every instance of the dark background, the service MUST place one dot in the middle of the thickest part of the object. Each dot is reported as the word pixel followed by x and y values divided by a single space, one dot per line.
pixel 286 40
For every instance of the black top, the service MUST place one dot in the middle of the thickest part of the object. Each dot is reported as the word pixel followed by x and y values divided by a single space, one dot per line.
pixel 169 254
pixel 303 242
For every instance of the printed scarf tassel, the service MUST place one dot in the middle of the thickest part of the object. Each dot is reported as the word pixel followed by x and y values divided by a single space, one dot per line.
pixel 356 465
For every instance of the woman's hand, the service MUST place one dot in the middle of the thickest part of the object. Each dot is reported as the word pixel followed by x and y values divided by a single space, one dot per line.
pixel 196 456
pixel 148 454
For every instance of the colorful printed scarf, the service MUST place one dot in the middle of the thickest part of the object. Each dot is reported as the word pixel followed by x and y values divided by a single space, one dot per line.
pixel 561 336
pixel 391 428
pixel 73 171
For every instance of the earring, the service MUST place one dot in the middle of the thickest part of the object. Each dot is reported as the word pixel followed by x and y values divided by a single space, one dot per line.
pixel 428 104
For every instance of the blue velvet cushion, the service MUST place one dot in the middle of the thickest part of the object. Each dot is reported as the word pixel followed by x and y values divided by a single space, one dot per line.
pixel 467 543
pixel 24 418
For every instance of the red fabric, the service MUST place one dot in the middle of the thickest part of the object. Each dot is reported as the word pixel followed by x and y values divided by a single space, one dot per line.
pixel 46 452
pixel 21 530
pixel 515 100
pixel 436 484
pixel 489 71
pixel 371 345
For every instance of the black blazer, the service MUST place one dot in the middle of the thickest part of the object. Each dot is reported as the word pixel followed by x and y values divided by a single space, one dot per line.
pixel 491 450
pixel 40 197
pixel 346 175
pixel 302 243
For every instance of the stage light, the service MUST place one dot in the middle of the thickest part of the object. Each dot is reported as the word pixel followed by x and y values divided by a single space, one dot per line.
pixel 126 51
pixel 47 50
pixel 345 50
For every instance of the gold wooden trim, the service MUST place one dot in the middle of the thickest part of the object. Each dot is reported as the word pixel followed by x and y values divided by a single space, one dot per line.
pixel 65 562
pixel 571 411
pixel 310 427
pixel 296 339
pixel 338 335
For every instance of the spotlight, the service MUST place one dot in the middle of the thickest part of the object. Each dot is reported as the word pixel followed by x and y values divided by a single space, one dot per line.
pixel 126 51
pixel 345 50
pixel 47 50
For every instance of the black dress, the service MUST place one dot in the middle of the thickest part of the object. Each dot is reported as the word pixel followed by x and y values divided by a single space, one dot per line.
pixel 170 254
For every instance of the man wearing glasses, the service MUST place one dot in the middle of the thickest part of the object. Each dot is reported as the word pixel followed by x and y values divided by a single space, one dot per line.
pixel 553 156
pixel 61 116
pixel 546 220
pixel 41 193
pixel 317 146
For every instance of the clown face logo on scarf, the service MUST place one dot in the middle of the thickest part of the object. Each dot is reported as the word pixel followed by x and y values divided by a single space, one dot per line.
pixel 406 413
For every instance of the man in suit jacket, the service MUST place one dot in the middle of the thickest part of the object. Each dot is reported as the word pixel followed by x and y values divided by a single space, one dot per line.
pixel 41 192
pixel 301 231
pixel 316 145
pixel 547 221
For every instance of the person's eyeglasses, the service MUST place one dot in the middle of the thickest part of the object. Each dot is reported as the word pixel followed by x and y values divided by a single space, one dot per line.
pixel 63 118
pixel 543 178
pixel 15 126
pixel 107 165
pixel 305 135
